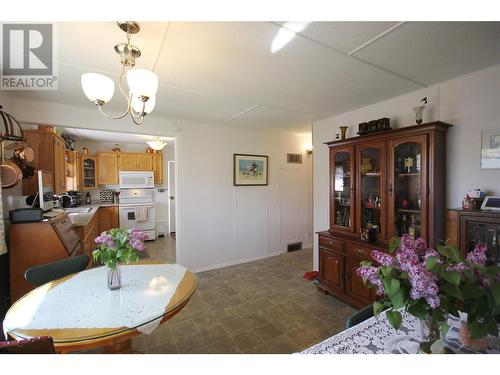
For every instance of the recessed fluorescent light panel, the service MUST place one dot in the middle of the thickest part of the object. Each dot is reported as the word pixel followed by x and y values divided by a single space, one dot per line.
pixel 286 33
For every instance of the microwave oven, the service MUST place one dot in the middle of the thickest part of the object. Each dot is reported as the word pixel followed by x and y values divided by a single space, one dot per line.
pixel 136 179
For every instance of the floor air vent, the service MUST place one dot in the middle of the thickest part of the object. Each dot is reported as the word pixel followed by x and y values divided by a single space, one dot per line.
pixel 294 246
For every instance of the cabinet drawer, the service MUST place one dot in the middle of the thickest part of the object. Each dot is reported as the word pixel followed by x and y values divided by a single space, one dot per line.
pixel 331 244
pixel 359 251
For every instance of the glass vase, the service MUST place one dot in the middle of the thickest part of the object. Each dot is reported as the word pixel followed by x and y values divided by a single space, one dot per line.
pixel 114 278
pixel 431 341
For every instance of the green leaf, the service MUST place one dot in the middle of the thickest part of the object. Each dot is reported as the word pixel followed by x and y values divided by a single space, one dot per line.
pixel 495 291
pixel 444 327
pixel 430 263
pixel 394 318
pixel 450 252
pixel 418 310
pixel 453 291
pixel 391 286
pixel 492 327
pixel 471 291
pixel 394 244
pixel 365 263
pixel 452 277
pixel 377 307
pixel 398 299
pixel 478 329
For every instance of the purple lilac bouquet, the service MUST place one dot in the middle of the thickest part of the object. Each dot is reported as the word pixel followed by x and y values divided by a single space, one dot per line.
pixel 118 245
pixel 430 284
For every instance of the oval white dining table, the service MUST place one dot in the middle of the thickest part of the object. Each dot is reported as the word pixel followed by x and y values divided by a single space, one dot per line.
pixel 79 311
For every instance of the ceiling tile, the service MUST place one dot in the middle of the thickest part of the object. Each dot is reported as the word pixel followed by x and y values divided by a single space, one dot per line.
pixel 345 36
pixel 91 44
pixel 263 117
pixel 431 52
pixel 233 60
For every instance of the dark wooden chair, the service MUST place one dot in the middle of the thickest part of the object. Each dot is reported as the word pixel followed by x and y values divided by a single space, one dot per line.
pixel 359 316
pixel 36 345
pixel 40 275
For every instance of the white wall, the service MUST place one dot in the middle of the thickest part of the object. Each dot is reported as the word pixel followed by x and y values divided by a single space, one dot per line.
pixel 225 224
pixel 217 224
pixel 470 102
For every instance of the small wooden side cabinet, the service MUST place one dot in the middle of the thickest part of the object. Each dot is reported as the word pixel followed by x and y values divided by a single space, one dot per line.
pixel 466 228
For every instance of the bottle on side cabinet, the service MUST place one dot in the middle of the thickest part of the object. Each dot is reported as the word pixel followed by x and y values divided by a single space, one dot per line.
pixel 87 198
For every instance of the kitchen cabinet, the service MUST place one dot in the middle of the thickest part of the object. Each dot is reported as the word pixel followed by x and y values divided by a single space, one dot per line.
pixel 73 174
pixel 144 162
pixel 391 183
pixel 34 244
pixel 87 234
pixel 127 162
pixel 108 218
pixel 158 168
pixel 89 172
pixel 107 166
pixel 49 151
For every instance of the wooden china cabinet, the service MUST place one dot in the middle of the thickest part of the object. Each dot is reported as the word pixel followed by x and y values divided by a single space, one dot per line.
pixel 387 183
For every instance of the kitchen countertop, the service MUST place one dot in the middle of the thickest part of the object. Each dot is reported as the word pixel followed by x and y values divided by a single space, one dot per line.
pixel 81 219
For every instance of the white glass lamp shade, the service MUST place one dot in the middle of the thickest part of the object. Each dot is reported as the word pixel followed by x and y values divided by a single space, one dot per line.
pixel 157 144
pixel 137 104
pixel 142 82
pixel 98 87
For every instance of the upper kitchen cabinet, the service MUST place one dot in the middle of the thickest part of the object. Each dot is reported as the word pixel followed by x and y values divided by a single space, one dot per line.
pixel 144 162
pixel 73 175
pixel 89 172
pixel 127 162
pixel 107 165
pixel 50 156
pixel 158 168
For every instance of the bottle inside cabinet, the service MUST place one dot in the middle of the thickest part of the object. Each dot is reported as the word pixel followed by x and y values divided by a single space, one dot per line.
pixel 407 189
pixel 371 200
pixel 342 189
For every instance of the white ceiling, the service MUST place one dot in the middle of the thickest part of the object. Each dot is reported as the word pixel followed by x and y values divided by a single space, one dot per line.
pixel 111 137
pixel 224 72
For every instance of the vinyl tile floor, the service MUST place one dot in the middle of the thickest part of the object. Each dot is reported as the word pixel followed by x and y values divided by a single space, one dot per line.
pixel 264 306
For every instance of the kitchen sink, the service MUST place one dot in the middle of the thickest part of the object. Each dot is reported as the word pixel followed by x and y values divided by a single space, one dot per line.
pixel 78 209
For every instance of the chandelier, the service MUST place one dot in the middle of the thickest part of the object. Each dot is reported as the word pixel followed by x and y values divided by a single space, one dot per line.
pixel 142 83
pixel 157 144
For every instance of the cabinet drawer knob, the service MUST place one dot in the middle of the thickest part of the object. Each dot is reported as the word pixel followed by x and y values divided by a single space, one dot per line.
pixel 336 262
pixel 359 251
pixel 330 243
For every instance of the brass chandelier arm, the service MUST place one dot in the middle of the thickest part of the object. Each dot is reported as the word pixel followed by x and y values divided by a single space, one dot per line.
pixel 139 121
pixel 128 98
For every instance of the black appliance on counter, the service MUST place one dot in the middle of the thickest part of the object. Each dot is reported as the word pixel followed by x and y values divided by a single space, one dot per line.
pixel 71 199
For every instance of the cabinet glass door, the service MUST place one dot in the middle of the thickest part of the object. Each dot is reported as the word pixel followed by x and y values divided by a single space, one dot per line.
pixel 408 187
pixel 485 232
pixel 371 188
pixel 89 176
pixel 342 211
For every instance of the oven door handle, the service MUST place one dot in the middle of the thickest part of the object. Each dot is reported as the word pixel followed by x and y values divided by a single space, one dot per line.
pixel 134 207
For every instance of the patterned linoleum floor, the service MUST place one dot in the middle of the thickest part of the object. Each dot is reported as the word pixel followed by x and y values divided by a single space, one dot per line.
pixel 264 306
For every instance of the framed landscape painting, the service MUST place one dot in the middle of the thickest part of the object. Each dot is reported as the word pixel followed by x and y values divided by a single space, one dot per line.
pixel 250 170
pixel 490 149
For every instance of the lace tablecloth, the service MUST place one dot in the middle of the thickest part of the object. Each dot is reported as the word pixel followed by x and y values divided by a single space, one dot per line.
pixel 375 335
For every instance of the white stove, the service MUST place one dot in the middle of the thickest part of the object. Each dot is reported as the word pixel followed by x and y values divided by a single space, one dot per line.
pixel 137 210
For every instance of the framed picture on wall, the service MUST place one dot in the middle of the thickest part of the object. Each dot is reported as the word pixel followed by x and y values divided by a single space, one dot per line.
pixel 250 170
pixel 490 149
